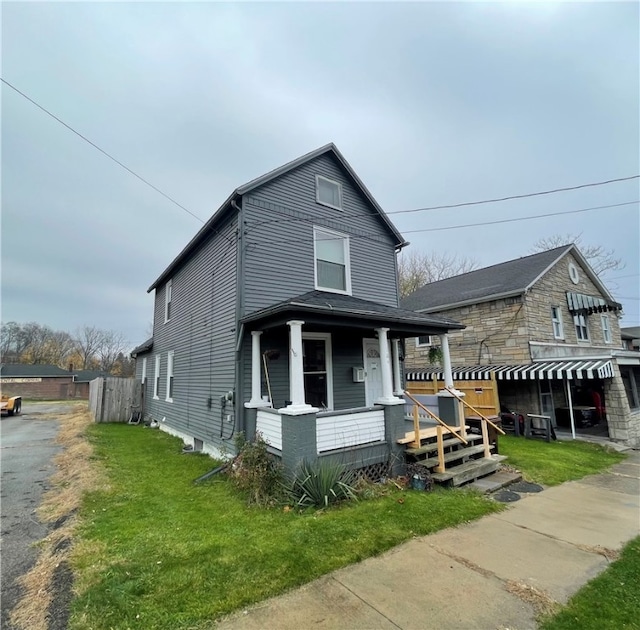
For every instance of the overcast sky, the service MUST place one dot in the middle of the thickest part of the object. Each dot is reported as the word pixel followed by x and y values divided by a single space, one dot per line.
pixel 431 103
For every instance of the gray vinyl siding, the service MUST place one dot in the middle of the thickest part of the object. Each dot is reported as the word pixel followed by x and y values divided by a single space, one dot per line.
pixel 279 255
pixel 202 335
pixel 346 350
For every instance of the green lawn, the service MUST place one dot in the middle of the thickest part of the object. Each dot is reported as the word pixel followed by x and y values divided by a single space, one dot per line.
pixel 609 602
pixel 157 551
pixel 552 463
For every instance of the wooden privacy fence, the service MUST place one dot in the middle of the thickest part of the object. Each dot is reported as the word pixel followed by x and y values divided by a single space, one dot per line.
pixel 481 394
pixel 113 399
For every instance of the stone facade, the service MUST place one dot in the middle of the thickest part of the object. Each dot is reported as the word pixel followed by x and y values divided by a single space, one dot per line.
pixel 496 332
pixel 550 291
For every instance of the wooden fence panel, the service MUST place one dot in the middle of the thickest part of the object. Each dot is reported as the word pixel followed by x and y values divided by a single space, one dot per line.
pixel 112 399
pixel 481 394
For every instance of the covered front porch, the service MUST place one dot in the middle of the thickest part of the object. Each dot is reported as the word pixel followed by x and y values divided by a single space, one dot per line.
pixel 323 377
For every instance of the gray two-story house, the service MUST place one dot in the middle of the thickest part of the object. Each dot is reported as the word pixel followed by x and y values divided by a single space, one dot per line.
pixel 281 316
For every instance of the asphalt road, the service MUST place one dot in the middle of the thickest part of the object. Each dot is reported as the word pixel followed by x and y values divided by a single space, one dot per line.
pixel 27 447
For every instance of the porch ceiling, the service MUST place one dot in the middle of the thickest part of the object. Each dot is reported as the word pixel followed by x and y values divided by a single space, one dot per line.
pixel 332 309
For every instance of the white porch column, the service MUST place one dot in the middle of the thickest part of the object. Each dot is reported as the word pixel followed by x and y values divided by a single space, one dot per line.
pixel 256 372
pixel 298 404
pixel 395 354
pixel 385 360
pixel 446 361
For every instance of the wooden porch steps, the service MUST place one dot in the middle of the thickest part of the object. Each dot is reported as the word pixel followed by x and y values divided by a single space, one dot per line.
pixel 463 463
pixel 453 456
pixel 425 434
pixel 432 447
pixel 469 471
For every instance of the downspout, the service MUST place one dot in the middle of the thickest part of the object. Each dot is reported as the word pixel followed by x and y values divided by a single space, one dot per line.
pixel 239 366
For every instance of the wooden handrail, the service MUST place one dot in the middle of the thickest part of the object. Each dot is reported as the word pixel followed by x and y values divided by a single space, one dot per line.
pixel 433 415
pixel 466 404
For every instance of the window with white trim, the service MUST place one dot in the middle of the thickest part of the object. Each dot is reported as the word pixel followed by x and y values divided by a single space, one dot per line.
pixel 556 320
pixel 423 342
pixel 332 264
pixel 169 394
pixel 606 329
pixel 156 378
pixel 168 291
pixel 144 370
pixel 580 322
pixel 328 192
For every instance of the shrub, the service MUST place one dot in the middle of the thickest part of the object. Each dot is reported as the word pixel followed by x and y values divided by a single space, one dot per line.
pixel 321 483
pixel 256 472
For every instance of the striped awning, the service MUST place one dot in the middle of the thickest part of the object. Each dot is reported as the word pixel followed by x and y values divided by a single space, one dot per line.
pixel 541 370
pixel 588 304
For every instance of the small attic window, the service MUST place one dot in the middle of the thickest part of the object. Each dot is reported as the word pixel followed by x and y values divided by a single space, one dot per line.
pixel 573 273
pixel 328 192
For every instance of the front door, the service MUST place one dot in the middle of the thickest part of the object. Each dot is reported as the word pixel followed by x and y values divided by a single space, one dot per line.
pixel 373 371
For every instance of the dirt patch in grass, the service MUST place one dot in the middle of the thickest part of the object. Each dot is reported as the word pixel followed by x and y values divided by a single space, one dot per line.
pixel 47 586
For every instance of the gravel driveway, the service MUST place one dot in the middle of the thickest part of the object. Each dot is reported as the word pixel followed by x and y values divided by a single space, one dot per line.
pixel 25 462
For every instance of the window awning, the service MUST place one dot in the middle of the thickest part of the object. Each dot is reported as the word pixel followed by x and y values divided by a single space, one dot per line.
pixel 542 370
pixel 579 303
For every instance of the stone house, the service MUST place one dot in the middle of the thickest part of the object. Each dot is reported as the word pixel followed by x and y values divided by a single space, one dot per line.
pixel 547 329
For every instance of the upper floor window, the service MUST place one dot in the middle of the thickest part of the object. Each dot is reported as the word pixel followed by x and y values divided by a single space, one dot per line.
pixel 156 378
pixel 328 192
pixel 582 332
pixel 424 341
pixel 332 265
pixel 168 291
pixel 606 329
pixel 169 394
pixel 556 320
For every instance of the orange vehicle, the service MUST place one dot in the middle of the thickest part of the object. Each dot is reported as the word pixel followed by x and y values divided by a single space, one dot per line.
pixel 12 406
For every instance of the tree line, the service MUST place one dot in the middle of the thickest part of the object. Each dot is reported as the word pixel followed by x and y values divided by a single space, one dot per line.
pixel 88 348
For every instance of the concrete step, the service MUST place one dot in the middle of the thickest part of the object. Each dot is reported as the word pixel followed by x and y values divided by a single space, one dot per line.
pixel 494 482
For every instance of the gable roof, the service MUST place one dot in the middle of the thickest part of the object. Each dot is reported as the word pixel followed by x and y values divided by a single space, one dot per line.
pixel 355 311
pixel 16 370
pixel 230 205
pixel 506 279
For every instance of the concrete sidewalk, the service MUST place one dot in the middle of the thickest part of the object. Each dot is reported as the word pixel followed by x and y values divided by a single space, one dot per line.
pixel 495 573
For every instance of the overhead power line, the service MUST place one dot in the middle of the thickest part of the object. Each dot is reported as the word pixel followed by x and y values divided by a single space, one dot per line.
pixel 278 239
pixel 524 196
pixel 535 216
pixel 95 146
pixel 349 215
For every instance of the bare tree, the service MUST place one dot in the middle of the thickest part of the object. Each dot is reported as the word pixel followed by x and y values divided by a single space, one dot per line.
pixel 415 269
pixel 600 259
pixel 88 340
pixel 112 344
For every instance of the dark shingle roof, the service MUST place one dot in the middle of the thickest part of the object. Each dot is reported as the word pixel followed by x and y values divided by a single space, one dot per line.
pixel 17 370
pixel 502 280
pixel 85 376
pixel 351 308
pixel 143 347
